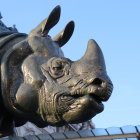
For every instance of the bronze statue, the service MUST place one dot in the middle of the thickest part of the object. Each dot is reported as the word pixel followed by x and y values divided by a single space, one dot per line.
pixel 40 85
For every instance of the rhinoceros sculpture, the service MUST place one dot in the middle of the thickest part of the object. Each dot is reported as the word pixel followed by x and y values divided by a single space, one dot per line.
pixel 40 85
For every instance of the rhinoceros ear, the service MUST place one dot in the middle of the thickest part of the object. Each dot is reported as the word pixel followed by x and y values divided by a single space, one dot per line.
pixel 52 20
pixel 63 37
pixel 48 23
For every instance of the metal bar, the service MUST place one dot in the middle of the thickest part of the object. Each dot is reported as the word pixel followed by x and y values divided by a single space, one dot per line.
pixel 138 136
pixel 132 135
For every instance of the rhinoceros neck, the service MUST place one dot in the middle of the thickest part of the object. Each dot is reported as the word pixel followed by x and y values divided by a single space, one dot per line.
pixel 8 40
pixel 9 54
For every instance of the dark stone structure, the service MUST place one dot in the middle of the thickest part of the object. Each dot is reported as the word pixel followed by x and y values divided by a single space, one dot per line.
pixel 40 85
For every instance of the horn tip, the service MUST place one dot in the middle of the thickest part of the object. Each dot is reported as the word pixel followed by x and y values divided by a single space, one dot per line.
pixel 92 42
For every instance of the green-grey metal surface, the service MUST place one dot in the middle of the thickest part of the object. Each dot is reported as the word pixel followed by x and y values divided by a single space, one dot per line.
pixel 112 133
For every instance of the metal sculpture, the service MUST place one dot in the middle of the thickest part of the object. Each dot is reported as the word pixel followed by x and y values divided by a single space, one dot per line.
pixel 40 85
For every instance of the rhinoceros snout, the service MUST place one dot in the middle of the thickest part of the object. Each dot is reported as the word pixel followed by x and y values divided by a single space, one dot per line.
pixel 101 87
pixel 98 82
pixel 105 89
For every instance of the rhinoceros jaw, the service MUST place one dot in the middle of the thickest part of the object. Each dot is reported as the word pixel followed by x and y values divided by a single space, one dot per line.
pixel 83 109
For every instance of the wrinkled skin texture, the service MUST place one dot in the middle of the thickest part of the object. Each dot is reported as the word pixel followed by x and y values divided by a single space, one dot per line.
pixel 42 86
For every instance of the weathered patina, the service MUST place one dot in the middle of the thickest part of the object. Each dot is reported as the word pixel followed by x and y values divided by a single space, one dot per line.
pixel 40 85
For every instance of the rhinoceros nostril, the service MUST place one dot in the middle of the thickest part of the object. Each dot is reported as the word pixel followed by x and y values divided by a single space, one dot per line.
pixel 97 82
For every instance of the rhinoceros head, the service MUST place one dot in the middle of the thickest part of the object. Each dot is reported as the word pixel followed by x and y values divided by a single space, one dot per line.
pixel 53 89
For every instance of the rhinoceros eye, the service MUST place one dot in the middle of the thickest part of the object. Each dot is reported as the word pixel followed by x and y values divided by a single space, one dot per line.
pixel 56 68
pixel 59 67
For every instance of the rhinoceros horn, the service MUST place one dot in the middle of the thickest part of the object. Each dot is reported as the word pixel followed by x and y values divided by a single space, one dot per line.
pixel 94 55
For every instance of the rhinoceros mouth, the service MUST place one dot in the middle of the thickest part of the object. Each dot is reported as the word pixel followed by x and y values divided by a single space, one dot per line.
pixel 83 108
pixel 72 100
pixel 68 108
pixel 87 103
pixel 88 100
